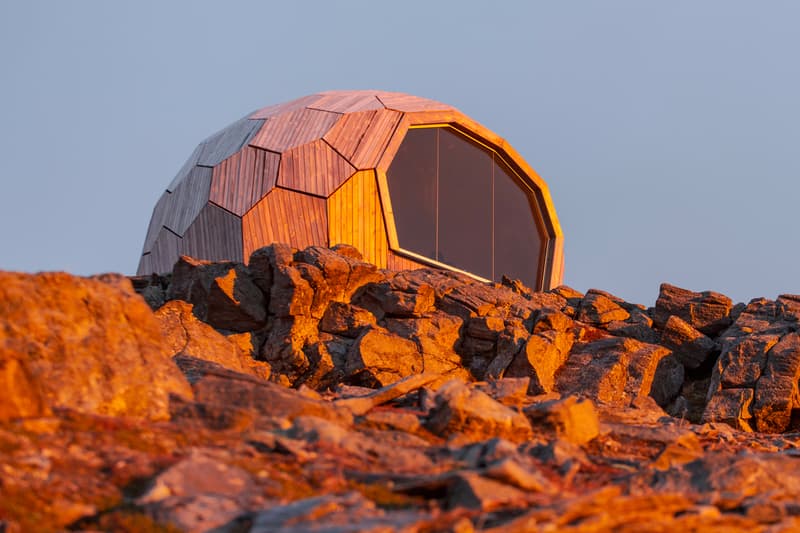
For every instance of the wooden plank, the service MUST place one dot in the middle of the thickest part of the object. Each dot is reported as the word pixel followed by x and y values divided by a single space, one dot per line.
pixel 355 218
pixel 145 267
pixel 313 168
pixel 398 262
pixel 408 103
pixel 285 216
pixel 347 101
pixel 346 134
pixel 164 254
pixel 215 235
pixel 375 139
pixel 188 199
pixel 187 166
pixel 393 145
pixel 160 211
pixel 294 128
pixel 228 141
pixel 240 181
pixel 292 105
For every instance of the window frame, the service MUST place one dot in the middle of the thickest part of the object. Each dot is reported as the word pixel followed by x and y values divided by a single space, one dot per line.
pixel 537 203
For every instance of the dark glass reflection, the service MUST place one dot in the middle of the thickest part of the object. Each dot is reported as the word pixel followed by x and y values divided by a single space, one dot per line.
pixel 458 203
pixel 517 242
pixel 412 186
pixel 465 204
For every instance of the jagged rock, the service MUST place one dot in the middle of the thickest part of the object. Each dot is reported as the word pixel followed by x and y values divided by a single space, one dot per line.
pixel 461 408
pixel 511 472
pixel 284 347
pixel 400 296
pixel 741 363
pixel 731 406
pixel 262 397
pixel 598 309
pixel 350 512
pixel 776 392
pixel 509 343
pixel 437 338
pixel 689 346
pixel 223 294
pixel 197 474
pixel 81 343
pixel 342 268
pixel 543 355
pixel 346 320
pixel 668 381
pixel 571 419
pixel 705 311
pixel 612 370
pixel 508 391
pixel 474 491
pixel 185 334
pixel 378 358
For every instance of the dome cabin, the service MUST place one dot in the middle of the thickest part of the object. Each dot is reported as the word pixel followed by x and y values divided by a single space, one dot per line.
pixel 410 182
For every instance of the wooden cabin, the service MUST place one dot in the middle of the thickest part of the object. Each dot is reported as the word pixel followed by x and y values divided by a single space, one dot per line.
pixel 408 181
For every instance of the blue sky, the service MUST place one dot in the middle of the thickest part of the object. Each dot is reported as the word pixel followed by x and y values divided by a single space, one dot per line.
pixel 668 132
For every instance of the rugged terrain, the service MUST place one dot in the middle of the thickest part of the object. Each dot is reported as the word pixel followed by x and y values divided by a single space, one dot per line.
pixel 310 391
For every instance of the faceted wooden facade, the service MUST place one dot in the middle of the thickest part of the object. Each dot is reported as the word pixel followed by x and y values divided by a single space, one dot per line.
pixel 318 171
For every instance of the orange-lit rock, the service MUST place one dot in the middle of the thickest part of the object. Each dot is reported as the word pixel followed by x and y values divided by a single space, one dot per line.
pixel 91 345
pixel 366 399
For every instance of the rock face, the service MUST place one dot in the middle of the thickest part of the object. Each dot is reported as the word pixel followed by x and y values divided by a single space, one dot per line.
pixel 91 345
pixel 309 390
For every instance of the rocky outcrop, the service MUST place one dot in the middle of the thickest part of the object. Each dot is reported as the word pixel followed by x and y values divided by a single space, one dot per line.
pixel 326 317
pixel 308 388
pixel 91 345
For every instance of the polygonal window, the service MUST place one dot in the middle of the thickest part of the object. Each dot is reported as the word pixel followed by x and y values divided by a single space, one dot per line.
pixel 456 202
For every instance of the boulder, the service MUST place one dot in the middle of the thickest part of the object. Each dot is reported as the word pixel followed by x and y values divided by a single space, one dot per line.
pixel 460 408
pixel 731 406
pixel 184 334
pixel 346 320
pixel 776 393
pixel 571 419
pixel 378 358
pixel 689 346
pixel 223 294
pixel 707 311
pixel 89 344
pixel 597 309
pixel 612 370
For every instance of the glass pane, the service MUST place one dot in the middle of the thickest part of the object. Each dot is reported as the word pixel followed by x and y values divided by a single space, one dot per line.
pixel 412 187
pixel 465 204
pixel 517 241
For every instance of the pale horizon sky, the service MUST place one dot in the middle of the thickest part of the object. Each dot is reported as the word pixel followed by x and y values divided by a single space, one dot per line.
pixel 667 132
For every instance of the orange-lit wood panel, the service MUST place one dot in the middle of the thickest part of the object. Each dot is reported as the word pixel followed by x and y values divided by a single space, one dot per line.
pixel 291 217
pixel 409 103
pixel 315 168
pixel 292 105
pixel 375 139
pixel 355 217
pixel 293 129
pixel 240 181
pixel 348 102
pixel 348 131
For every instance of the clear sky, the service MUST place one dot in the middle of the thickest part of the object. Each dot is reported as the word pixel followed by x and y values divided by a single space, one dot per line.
pixel 668 132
